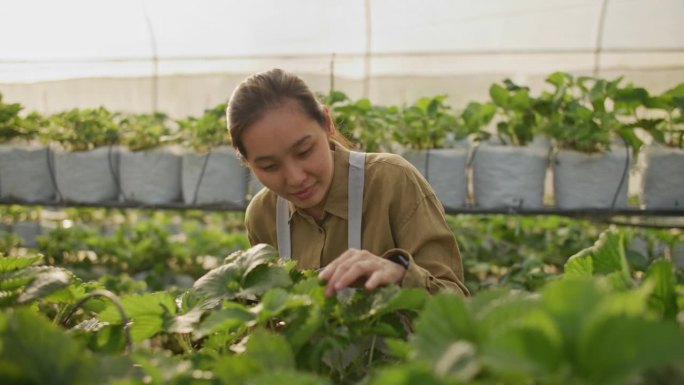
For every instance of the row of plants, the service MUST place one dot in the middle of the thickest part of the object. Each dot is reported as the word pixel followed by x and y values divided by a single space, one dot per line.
pixel 587 130
pixel 97 156
pixel 160 247
pixel 256 320
pixel 154 249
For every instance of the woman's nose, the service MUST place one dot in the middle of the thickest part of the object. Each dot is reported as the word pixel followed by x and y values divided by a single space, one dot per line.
pixel 294 175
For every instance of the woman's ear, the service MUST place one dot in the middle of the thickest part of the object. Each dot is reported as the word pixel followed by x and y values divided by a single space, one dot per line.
pixel 329 125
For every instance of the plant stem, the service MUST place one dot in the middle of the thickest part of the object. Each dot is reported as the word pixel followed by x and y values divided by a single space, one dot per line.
pixel 115 300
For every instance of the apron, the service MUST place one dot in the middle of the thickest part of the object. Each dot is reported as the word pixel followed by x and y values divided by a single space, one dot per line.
pixel 354 203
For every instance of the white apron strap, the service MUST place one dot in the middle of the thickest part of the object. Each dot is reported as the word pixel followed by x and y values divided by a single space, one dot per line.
pixel 357 162
pixel 357 167
pixel 283 229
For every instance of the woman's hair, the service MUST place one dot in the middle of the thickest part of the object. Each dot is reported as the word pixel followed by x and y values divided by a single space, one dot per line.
pixel 266 91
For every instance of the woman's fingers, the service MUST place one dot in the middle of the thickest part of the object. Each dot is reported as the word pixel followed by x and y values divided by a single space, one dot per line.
pixel 354 265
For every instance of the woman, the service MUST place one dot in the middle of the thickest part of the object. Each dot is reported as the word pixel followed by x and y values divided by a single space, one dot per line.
pixel 365 218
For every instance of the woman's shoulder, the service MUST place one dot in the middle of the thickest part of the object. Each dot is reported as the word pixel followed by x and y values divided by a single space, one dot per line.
pixel 387 165
pixel 387 169
pixel 261 205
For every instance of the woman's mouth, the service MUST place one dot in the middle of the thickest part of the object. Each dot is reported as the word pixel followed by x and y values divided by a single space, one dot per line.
pixel 304 194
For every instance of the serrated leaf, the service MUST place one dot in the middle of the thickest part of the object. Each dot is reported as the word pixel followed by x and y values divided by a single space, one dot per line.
pixel 276 301
pixel 45 283
pixel 270 349
pixel 444 320
pixel 222 282
pixel 263 278
pixel 523 350
pixel 391 298
pixel 41 351
pixel 232 316
pixel 147 312
pixel 613 351
pixel 280 377
pixel 303 325
pixel 567 302
pixel 607 258
pixel 663 299
pixel 15 263
pixel 185 323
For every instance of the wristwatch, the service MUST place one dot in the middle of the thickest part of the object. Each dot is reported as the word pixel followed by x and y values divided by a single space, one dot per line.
pixel 400 259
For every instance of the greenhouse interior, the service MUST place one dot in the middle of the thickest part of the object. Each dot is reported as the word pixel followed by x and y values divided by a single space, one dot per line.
pixel 342 192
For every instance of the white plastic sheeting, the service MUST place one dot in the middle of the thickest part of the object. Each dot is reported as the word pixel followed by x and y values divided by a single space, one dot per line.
pixel 182 56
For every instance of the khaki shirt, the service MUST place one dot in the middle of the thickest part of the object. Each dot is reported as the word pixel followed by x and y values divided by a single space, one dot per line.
pixel 401 214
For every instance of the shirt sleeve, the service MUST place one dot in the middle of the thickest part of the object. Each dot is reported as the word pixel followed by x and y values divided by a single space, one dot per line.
pixel 424 237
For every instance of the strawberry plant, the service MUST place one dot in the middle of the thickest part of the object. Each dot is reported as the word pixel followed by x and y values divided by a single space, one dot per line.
pixel 13 126
pixel 86 129
pixel 206 132
pixel 146 131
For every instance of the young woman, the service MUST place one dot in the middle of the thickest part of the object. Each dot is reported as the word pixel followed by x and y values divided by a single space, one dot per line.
pixel 366 219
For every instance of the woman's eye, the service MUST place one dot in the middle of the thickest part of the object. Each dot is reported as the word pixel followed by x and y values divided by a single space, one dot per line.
pixel 304 153
pixel 270 167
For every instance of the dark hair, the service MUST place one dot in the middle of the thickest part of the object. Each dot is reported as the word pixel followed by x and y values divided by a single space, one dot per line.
pixel 266 91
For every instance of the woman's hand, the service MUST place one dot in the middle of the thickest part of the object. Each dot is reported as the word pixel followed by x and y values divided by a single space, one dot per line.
pixel 353 265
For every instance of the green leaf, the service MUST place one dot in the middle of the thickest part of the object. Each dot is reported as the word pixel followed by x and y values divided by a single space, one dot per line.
pixel 185 323
pixel 619 347
pixel 237 369
pixel 280 377
pixel 663 299
pixel 499 95
pixel 15 263
pixel 231 317
pixel 302 326
pixel 607 258
pixel 523 350
pixel 276 301
pixel 45 283
pixel 444 320
pixel 42 352
pixel 558 79
pixel 567 302
pixel 410 374
pixel 226 281
pixel 270 349
pixel 388 299
pixel 263 278
pixel 148 313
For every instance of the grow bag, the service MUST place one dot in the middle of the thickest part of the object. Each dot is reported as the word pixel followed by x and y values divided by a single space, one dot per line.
pixel 87 176
pixel 663 182
pixel 25 173
pixel 596 180
pixel 151 177
pixel 214 178
pixel 509 176
pixel 445 170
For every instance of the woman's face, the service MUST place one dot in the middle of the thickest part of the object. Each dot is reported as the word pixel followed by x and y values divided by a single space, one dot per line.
pixel 290 154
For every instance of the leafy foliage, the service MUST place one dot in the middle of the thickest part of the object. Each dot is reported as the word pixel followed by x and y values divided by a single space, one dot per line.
pixel 206 132
pixel 86 129
pixel 13 126
pixel 146 131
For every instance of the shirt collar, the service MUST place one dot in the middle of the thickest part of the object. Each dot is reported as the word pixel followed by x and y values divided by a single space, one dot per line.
pixel 336 201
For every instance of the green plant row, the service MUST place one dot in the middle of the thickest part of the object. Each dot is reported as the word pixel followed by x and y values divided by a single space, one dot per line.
pixel 518 252
pixel 157 251
pixel 86 129
pixel 256 320
pixel 582 113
